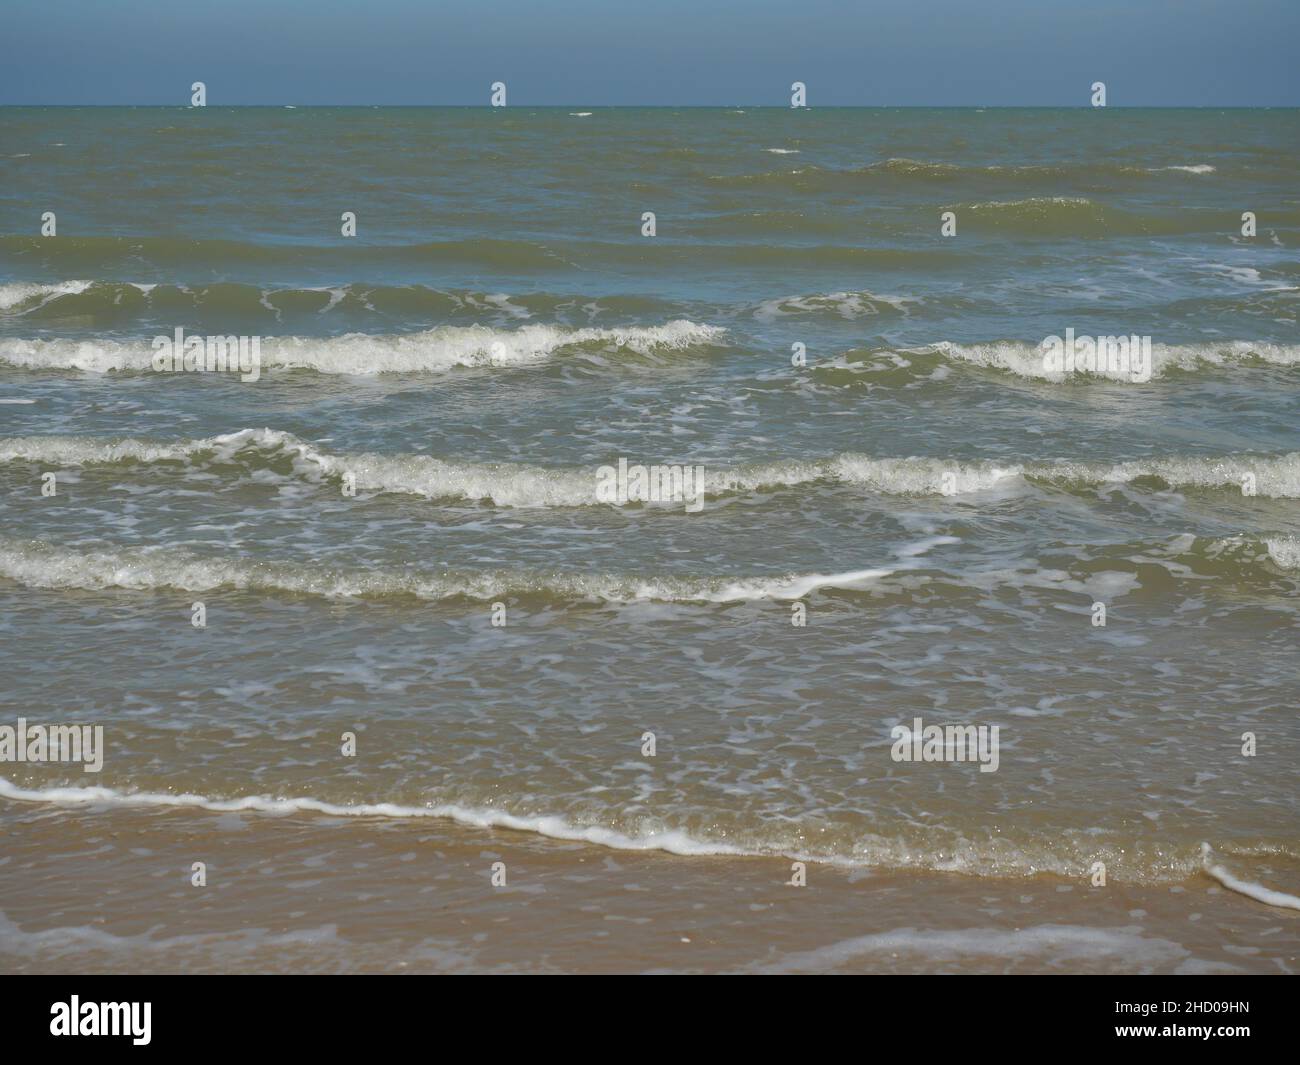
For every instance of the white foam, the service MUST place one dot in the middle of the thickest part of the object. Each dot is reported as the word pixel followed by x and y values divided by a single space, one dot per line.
pixel 1275 476
pixel 1027 360
pixel 16 293
pixel 63 940
pixel 1059 942
pixel 1284 550
pixel 848 305
pixel 794 587
pixel 516 485
pixel 509 485
pixel 924 476
pixel 433 350
pixel 674 842
pixel 667 839
pixel 1033 202
pixel 1247 887
pixel 40 565
pixel 83 451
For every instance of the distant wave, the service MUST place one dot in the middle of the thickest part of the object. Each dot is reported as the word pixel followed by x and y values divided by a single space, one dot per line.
pixel 265 306
pixel 432 350
pixel 514 485
pixel 107 256
pixel 956 170
pixel 1077 216
pixel 176 258
pixel 905 173
pixel 240 307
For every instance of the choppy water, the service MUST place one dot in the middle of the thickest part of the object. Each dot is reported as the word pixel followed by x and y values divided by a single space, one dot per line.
pixel 946 509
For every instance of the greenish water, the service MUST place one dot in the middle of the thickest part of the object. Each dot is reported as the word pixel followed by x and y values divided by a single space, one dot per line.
pixel 947 509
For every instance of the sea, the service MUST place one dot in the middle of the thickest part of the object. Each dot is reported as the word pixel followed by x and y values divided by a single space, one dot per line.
pixel 649 539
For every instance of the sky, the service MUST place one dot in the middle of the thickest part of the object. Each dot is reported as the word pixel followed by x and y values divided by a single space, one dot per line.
pixel 1149 53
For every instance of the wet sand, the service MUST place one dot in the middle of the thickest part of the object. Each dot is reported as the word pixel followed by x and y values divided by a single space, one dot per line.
pixel 86 891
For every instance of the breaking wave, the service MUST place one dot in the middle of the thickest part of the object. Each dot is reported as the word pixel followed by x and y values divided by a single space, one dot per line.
pixel 432 350
pixel 517 485
pixel 41 565
pixel 26 295
pixel 998 857
pixel 904 366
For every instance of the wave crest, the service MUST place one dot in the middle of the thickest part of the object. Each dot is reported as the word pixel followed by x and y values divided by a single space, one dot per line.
pixel 1025 359
pixel 41 565
pixel 430 351
pixel 993 857
pixel 516 485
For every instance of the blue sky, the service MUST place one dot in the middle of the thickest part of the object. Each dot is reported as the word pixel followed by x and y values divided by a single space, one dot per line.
pixel 668 52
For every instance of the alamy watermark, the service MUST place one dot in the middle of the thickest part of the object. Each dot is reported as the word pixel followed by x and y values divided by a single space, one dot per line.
pixel 946 743
pixel 103 1018
pixel 1112 355
pixel 179 353
pixel 53 743
pixel 626 483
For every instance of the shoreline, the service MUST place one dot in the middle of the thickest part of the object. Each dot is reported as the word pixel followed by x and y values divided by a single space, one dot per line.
pixel 326 894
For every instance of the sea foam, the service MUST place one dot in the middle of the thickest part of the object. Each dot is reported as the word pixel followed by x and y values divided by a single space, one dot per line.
pixel 41 565
pixel 432 350
pixel 520 485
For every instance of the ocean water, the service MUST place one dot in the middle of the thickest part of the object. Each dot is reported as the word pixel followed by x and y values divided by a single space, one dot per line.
pixel 418 460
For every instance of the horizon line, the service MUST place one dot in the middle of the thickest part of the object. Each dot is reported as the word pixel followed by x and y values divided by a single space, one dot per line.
pixel 728 106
